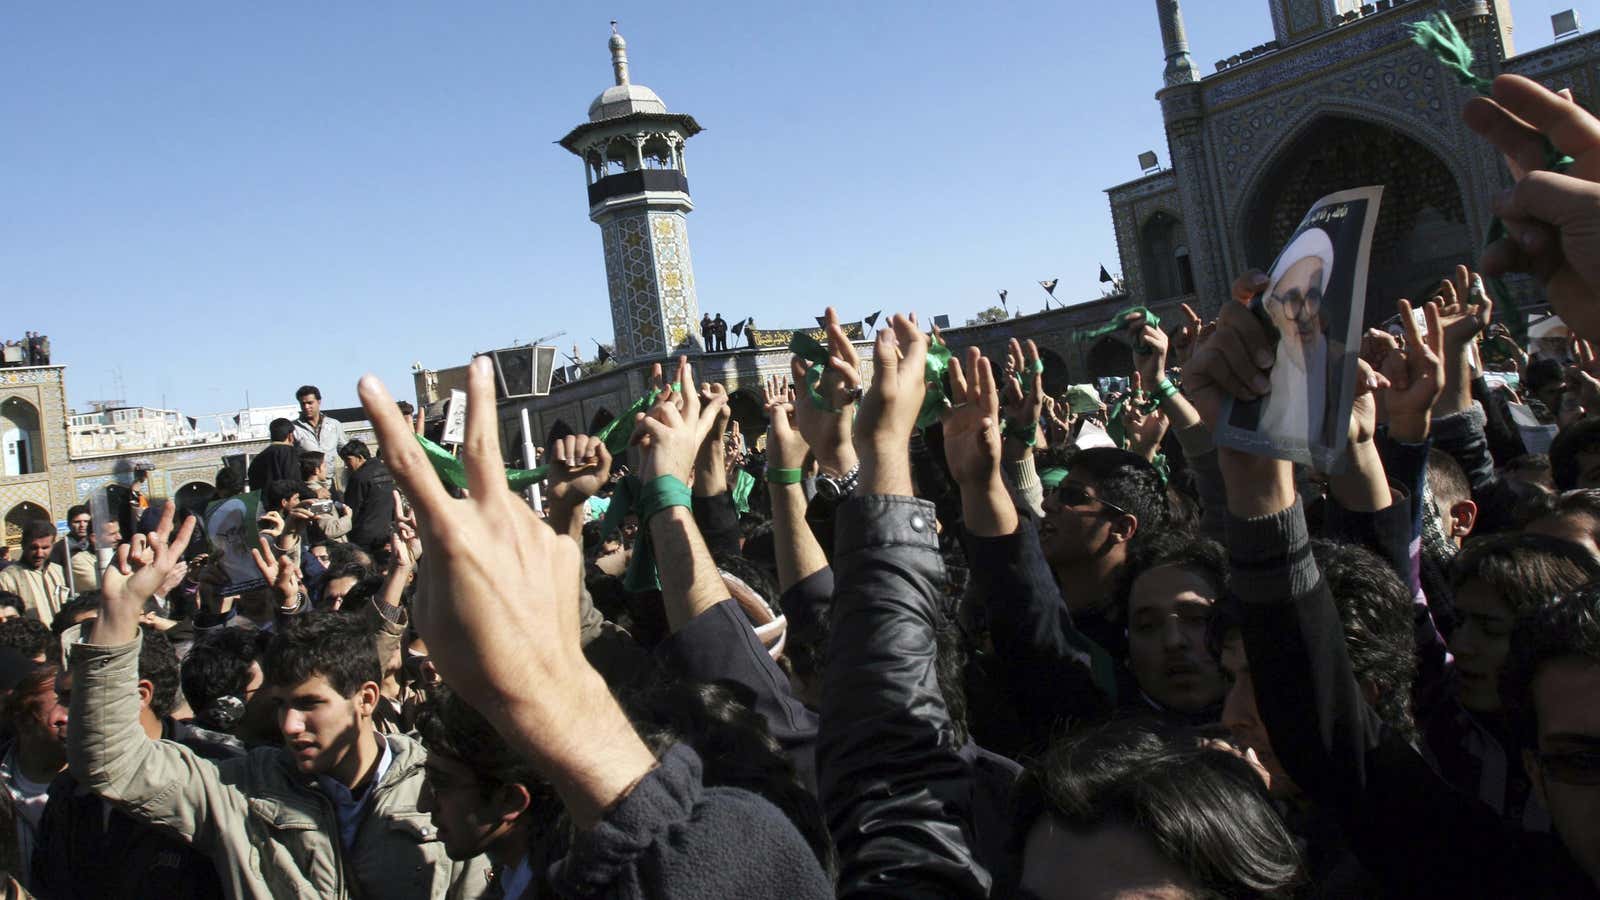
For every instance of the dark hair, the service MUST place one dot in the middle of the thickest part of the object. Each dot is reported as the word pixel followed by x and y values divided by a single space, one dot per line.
pixel 307 390
pixel 88 601
pixel 229 481
pixel 217 666
pixel 1446 479
pixel 449 726
pixel 12 600
pixel 1205 809
pixel 355 447
pixel 1582 436
pixel 158 664
pixel 331 644
pixel 23 698
pixel 77 509
pixel 1375 609
pixel 349 568
pixel 1525 570
pixel 310 461
pixel 30 637
pixel 368 587
pixel 1127 480
pixel 33 529
pixel 278 429
pixel 1203 556
pixel 279 490
pixel 735 749
pixel 1541 372
pixel 1567 628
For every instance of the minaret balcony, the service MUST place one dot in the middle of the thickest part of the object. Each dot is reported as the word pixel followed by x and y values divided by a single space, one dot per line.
pixel 639 181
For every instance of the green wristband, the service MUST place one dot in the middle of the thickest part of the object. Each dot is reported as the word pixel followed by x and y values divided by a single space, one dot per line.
pixel 785 476
pixel 1167 389
pixel 660 495
pixel 1025 434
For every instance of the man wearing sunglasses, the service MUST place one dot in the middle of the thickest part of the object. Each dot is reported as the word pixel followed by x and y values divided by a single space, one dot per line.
pixel 1107 498
pixel 1550 685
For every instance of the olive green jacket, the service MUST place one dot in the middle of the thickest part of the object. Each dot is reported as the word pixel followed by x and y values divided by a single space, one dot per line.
pixel 270 830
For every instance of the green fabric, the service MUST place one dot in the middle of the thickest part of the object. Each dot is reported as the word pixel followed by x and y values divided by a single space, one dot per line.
pixel 785 476
pixel 807 348
pixel 624 495
pixel 742 483
pixel 617 433
pixel 1167 389
pixel 1083 398
pixel 1119 322
pixel 660 494
pixel 1025 434
pixel 936 401
pixel 453 473
pixel 1052 478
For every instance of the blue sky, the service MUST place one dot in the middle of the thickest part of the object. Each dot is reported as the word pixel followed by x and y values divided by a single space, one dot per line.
pixel 214 199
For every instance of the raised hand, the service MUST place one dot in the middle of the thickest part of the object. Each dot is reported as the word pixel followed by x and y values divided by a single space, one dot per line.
pixel 890 407
pixel 1416 375
pixel 1024 385
pixel 786 447
pixel 1552 219
pixel 580 465
pixel 1364 413
pixel 1234 358
pixel 1152 366
pixel 971 424
pixel 1187 337
pixel 139 570
pixel 673 430
pixel 830 433
pixel 405 526
pixel 498 606
pixel 281 572
pixel 1144 429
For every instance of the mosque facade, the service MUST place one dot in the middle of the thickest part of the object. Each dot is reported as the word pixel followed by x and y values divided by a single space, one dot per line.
pixel 1340 98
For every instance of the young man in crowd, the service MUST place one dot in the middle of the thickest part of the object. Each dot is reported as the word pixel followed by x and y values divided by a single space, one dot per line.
pixel 76 551
pixel 29 760
pixel 370 495
pixel 312 429
pixel 40 583
pixel 278 460
pixel 89 849
pixel 331 812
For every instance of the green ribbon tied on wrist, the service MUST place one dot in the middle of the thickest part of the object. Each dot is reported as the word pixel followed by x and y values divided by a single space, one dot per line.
pixel 785 476
pixel 743 483
pixel 1118 322
pixel 1023 434
pixel 453 473
pixel 1439 37
pixel 645 500
pixel 807 348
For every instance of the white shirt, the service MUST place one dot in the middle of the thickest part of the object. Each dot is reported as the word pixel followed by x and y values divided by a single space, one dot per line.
pixel 1298 399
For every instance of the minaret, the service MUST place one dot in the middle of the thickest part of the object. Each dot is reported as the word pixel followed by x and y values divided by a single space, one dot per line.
pixel 632 152
pixel 1175 42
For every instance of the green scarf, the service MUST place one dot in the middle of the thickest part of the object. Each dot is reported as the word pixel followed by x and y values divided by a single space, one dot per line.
pixel 1119 322
pixel 743 482
pixel 451 471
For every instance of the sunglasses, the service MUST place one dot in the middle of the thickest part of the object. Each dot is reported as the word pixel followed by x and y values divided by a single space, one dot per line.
pixel 1070 494
pixel 1578 767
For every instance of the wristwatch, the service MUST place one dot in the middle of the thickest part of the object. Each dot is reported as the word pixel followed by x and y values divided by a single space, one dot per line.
pixel 838 490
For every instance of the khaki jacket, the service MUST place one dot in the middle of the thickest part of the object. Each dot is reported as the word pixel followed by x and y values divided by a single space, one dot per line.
pixel 270 830
pixel 42 592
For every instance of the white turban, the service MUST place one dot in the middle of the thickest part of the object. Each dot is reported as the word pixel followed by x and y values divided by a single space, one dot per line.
pixel 1313 242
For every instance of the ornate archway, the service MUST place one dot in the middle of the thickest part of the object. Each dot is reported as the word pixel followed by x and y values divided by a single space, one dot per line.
pixel 1422 230
pixel 1164 257
pixel 749 413
pixel 1109 358
pixel 21 440
pixel 1056 376
pixel 19 516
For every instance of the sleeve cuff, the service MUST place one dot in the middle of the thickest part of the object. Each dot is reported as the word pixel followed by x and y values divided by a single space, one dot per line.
pixel 1268 551
pixel 885 521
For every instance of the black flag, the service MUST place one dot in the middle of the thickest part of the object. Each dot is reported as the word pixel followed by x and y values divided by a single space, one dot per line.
pixel 604 354
pixel 1049 286
pixel 872 320
pixel 1002 298
pixel 1105 277
pixel 738 328
pixel 822 322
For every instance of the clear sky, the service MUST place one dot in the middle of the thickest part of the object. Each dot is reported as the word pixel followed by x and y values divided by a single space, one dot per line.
pixel 206 200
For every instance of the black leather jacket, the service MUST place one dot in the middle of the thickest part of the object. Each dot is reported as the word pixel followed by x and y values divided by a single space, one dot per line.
pixel 898 793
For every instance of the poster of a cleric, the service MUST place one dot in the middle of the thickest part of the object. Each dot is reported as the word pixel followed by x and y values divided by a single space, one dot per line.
pixel 1316 293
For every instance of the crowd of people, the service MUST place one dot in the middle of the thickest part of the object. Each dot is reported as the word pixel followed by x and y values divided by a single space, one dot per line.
pixel 922 638
pixel 32 350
